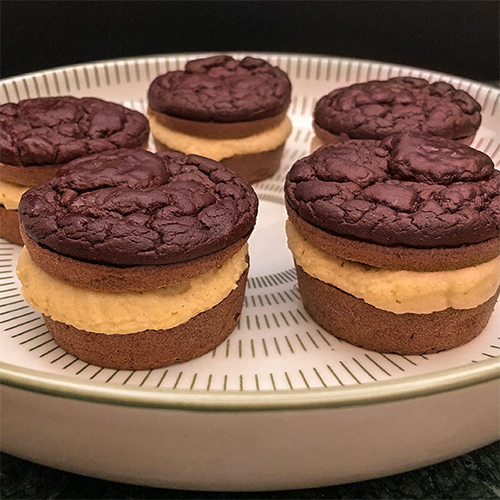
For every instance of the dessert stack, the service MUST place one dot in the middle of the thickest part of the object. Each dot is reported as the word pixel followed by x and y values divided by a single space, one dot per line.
pixel 39 136
pixel 396 242
pixel 229 110
pixel 137 260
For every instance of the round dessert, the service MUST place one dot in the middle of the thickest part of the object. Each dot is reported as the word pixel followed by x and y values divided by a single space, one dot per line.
pixel 229 110
pixel 38 136
pixel 377 109
pixel 137 260
pixel 396 242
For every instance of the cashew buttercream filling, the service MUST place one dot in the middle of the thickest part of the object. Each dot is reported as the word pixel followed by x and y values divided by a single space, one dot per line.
pixel 218 149
pixel 128 312
pixel 10 194
pixel 399 292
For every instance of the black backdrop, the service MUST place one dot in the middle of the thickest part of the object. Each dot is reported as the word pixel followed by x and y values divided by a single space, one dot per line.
pixel 458 37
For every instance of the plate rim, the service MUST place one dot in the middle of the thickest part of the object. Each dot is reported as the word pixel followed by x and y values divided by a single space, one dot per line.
pixel 372 393
pixel 357 395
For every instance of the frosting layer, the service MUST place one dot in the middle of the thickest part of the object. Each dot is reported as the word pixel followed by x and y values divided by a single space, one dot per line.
pixel 219 149
pixel 127 312
pixel 398 291
pixel 10 194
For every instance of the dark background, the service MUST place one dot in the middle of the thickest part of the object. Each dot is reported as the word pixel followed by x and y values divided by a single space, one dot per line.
pixel 460 38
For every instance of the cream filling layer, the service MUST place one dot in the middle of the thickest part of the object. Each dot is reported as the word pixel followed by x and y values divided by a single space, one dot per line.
pixel 10 194
pixel 398 291
pixel 218 149
pixel 128 312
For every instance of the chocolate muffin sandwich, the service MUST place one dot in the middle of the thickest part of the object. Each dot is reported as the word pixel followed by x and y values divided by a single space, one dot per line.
pixel 233 111
pixel 39 136
pixel 137 260
pixel 396 242
pixel 377 109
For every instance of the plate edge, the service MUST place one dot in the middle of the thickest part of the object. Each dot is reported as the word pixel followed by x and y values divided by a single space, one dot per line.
pixel 237 401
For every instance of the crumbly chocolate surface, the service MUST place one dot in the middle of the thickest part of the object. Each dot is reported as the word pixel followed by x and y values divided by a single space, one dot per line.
pixel 56 130
pixel 405 190
pixel 132 207
pixel 222 89
pixel 376 109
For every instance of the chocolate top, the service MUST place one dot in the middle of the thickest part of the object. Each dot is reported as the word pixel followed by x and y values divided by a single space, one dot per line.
pixel 56 130
pixel 376 109
pixel 222 89
pixel 411 191
pixel 132 207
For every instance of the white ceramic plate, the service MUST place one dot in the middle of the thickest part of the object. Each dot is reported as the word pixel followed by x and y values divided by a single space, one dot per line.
pixel 281 403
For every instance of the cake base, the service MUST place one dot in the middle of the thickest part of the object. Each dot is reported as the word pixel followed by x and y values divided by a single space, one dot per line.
pixel 154 348
pixel 216 130
pixel 255 167
pixel 353 320
pixel 252 167
pixel 9 226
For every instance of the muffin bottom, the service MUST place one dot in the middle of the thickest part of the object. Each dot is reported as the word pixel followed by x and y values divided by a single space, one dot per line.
pixel 353 320
pixel 154 348
pixel 9 226
pixel 252 167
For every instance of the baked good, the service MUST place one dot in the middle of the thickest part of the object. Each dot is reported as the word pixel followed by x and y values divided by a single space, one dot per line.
pixel 233 111
pixel 377 109
pixel 396 242
pixel 38 136
pixel 137 260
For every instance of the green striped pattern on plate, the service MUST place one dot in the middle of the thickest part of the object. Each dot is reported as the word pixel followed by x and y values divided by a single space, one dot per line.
pixel 276 346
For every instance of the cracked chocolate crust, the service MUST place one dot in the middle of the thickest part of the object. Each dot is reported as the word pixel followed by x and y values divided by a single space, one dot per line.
pixel 132 207
pixel 376 109
pixel 55 130
pixel 406 191
pixel 222 89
